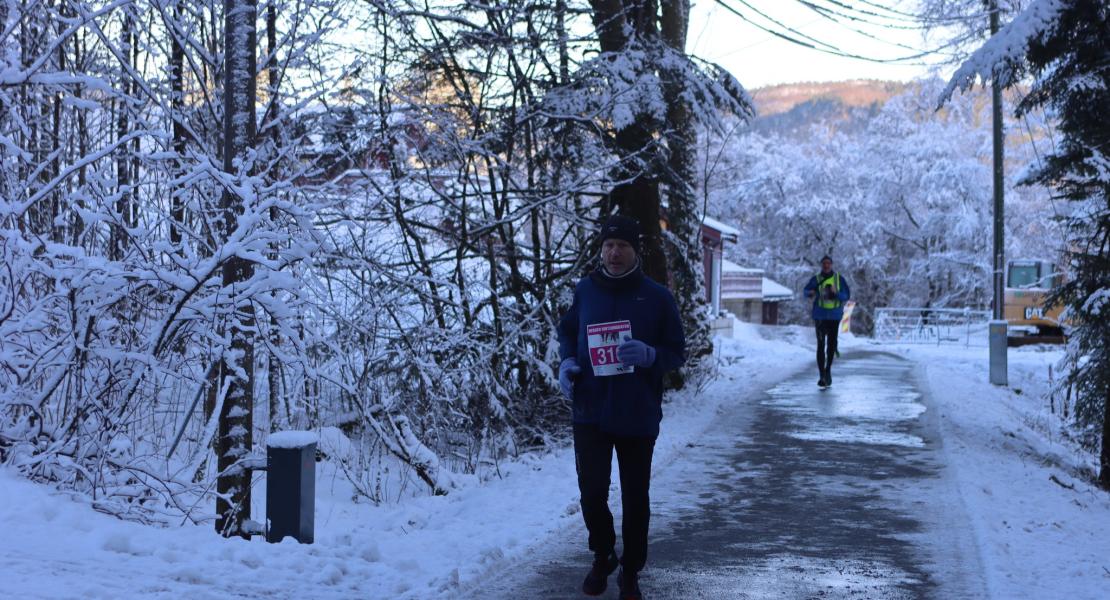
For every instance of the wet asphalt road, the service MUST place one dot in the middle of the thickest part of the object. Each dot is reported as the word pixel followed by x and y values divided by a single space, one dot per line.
pixel 796 492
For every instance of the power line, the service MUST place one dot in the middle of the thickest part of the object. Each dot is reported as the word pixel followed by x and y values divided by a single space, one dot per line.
pixel 862 16
pixel 784 26
pixel 796 37
pixel 832 16
pixel 919 22
pixel 760 42
pixel 977 17
pixel 790 34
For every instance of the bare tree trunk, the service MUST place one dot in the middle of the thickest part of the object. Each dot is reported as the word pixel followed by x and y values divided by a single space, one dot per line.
pixel 55 200
pixel 132 96
pixel 561 31
pixel 6 109
pixel 273 365
pixel 124 206
pixel 35 125
pixel 683 214
pixel 1104 456
pixel 619 24
pixel 177 106
pixel 640 199
pixel 234 441
pixel 23 103
pixel 82 150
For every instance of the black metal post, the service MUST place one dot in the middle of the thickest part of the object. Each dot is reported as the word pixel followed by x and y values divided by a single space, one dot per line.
pixel 290 490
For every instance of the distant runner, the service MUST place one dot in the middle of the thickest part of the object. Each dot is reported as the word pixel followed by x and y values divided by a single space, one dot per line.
pixel 621 334
pixel 829 292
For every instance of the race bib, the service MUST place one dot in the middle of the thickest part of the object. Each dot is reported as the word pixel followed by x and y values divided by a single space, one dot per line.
pixel 603 339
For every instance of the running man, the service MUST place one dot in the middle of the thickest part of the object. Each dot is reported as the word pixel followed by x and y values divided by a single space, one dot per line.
pixel 829 292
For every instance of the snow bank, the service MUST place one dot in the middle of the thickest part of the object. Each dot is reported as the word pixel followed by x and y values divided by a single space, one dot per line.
pixel 1038 518
pixel 1035 514
pixel 413 547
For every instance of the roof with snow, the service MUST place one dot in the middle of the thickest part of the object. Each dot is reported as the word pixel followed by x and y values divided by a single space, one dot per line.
pixel 727 266
pixel 774 291
pixel 748 283
pixel 726 230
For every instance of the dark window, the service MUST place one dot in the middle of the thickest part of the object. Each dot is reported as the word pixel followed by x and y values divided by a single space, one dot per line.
pixel 1024 276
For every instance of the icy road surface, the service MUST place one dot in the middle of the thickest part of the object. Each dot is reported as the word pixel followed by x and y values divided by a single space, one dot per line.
pixel 805 493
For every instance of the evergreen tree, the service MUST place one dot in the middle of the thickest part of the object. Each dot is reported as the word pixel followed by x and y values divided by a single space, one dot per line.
pixel 1072 64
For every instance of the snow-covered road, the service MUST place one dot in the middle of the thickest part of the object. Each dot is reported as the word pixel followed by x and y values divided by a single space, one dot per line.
pixel 798 493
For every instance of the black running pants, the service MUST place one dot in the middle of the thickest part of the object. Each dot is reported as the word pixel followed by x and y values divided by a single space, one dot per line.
pixel 593 457
pixel 826 344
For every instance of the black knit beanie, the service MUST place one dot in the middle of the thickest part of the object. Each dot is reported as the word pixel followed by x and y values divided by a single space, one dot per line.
pixel 622 228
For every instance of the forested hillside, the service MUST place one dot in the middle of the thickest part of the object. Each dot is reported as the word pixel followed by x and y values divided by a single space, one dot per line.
pixel 792 108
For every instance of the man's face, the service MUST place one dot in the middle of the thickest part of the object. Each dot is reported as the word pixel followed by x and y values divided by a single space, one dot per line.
pixel 826 266
pixel 618 256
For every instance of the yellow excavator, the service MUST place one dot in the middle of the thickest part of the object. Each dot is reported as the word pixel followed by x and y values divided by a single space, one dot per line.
pixel 1028 283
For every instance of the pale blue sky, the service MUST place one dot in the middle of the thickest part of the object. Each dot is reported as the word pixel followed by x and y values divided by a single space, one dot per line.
pixel 757 58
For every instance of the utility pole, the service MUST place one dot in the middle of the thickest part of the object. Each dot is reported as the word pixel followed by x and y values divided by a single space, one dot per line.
pixel 998 328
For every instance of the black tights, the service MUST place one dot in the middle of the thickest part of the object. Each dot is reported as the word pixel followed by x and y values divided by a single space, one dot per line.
pixel 826 344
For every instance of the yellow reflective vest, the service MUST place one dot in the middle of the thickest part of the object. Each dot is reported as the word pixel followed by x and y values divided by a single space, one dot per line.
pixel 821 284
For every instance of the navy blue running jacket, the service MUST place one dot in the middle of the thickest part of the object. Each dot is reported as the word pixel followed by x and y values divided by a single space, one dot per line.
pixel 629 404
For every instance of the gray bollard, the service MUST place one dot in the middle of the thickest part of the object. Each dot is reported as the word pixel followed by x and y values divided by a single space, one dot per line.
pixel 998 359
pixel 290 486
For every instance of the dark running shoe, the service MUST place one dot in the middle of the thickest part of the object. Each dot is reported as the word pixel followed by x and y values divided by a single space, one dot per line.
pixel 828 377
pixel 598 577
pixel 629 586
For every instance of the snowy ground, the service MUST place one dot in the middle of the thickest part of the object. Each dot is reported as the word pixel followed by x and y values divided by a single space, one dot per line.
pixel 54 547
pixel 796 492
pixel 1036 538
pixel 1005 448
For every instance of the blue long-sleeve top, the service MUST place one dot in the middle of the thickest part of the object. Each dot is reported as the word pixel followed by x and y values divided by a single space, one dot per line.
pixel 827 314
pixel 629 404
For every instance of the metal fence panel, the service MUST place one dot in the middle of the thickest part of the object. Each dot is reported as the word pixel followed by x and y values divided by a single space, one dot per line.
pixel 931 325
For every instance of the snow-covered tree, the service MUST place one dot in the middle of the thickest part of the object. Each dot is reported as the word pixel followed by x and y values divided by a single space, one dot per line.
pixel 902 203
pixel 959 27
pixel 115 246
pixel 1073 64
pixel 660 94
pixel 234 377
pixel 1063 45
pixel 393 244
